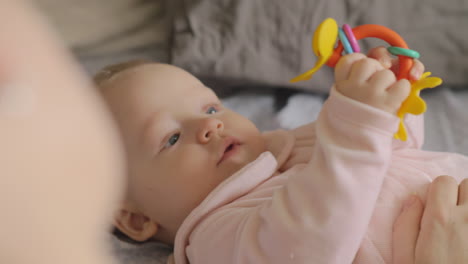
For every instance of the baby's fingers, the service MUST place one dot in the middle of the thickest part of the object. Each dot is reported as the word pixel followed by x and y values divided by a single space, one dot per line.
pixel 364 69
pixel 343 67
pixel 400 89
pixel 385 58
pixel 382 79
pixel 417 70
pixel 396 94
pixel 382 55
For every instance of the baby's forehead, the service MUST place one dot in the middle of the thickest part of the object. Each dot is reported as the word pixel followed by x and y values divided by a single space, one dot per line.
pixel 156 82
pixel 161 81
pixel 140 71
pixel 163 75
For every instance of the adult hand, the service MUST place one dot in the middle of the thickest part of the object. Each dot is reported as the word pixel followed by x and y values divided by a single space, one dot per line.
pixel 441 235
pixel 61 159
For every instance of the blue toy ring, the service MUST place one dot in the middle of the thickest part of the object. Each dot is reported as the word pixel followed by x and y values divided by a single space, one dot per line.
pixel 344 40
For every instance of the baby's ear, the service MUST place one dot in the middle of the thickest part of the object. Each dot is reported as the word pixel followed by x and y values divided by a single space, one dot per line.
pixel 135 224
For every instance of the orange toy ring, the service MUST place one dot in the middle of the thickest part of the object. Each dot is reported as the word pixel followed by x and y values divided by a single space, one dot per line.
pixel 381 32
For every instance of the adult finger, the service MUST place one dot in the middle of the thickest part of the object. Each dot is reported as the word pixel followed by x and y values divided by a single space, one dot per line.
pixel 343 67
pixel 441 197
pixel 406 231
pixel 463 193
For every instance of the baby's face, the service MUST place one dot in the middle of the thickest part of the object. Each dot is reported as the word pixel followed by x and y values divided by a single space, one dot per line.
pixel 181 142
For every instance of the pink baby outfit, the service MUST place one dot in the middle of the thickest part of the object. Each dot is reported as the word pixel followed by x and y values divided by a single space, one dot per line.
pixel 327 192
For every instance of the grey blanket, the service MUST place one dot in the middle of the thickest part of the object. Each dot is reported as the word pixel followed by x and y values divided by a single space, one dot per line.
pixel 269 41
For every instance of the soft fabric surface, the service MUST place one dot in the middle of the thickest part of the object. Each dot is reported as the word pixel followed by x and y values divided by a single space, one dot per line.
pixel 93 27
pixel 148 253
pixel 446 126
pixel 269 41
pixel 106 32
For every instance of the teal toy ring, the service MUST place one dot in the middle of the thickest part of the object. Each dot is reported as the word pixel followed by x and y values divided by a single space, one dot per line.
pixel 403 52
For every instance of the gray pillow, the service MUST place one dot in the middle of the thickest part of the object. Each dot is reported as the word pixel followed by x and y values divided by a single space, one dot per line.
pixel 269 41
pixel 106 32
pixel 93 27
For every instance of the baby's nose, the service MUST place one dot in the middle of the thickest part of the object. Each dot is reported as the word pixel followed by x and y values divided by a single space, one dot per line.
pixel 209 127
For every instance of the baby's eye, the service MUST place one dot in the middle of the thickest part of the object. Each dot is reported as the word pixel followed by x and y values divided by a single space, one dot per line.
pixel 211 110
pixel 172 140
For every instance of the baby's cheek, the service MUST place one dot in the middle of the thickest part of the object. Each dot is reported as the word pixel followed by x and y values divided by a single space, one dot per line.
pixel 258 142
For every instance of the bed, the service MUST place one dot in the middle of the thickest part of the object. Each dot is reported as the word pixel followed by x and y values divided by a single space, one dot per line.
pixel 247 50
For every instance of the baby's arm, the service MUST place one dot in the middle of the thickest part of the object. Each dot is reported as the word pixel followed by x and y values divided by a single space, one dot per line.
pixel 322 212
pixel 414 123
pixel 305 134
pixel 60 157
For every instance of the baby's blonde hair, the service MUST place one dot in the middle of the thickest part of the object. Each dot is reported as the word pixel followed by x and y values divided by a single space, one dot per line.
pixel 110 71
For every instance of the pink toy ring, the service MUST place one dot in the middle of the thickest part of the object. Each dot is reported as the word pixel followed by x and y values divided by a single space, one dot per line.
pixel 351 38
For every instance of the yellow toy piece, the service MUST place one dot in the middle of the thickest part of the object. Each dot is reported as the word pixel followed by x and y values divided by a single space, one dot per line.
pixel 414 104
pixel 323 44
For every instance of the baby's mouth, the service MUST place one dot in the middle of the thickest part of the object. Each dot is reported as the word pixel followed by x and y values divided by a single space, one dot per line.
pixel 229 148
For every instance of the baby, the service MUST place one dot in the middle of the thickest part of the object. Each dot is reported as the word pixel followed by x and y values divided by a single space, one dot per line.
pixel 204 179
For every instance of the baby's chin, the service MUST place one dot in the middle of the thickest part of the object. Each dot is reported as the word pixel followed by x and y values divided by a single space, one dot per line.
pixel 235 164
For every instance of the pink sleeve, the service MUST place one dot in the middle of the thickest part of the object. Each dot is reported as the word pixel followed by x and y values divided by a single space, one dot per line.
pixel 322 212
pixel 415 129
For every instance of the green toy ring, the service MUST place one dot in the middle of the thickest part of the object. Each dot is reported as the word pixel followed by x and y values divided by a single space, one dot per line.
pixel 403 52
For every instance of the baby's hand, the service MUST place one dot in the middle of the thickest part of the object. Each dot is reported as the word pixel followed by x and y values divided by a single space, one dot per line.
pixel 385 58
pixel 367 81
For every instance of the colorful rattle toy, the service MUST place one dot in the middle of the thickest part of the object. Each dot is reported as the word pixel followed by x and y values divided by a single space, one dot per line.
pixel 323 46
